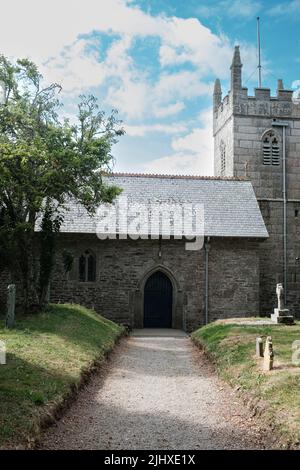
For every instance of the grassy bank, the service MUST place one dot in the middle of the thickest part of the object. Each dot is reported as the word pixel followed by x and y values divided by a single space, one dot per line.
pixel 232 347
pixel 48 354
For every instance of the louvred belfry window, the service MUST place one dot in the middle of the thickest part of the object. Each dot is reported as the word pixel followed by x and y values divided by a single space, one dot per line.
pixel 271 149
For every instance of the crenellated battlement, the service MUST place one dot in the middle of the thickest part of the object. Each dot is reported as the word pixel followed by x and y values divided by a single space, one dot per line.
pixel 240 119
pixel 261 104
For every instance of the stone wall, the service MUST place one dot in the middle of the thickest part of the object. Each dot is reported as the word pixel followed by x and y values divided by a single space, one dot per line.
pixel 233 278
pixel 124 265
pixel 268 185
pixel 271 255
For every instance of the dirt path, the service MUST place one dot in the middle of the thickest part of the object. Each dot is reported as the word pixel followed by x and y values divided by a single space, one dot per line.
pixel 158 393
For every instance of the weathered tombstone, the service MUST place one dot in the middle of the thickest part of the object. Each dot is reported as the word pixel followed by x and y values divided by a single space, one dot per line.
pixel 282 314
pixel 11 303
pixel 2 353
pixel 268 354
pixel 259 347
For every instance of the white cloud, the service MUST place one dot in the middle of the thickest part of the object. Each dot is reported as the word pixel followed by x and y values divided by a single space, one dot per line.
pixel 209 54
pixel 169 110
pixel 288 8
pixel 74 69
pixel 78 67
pixel 142 130
pixel 130 98
pixel 53 40
pixel 241 8
pixel 176 164
pixel 184 85
pixel 118 60
pixel 137 98
pixel 199 141
pixel 296 87
pixel 41 32
pixel 187 40
pixel 244 9
pixel 193 153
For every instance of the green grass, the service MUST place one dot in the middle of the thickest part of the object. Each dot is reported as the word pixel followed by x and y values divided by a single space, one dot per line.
pixel 47 355
pixel 232 347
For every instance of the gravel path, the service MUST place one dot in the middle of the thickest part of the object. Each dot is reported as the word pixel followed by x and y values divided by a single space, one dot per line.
pixel 157 393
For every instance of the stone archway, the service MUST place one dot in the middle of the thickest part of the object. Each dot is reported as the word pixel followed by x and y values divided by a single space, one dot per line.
pixel 178 320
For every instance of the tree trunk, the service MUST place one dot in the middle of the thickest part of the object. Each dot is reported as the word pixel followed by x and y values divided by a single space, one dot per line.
pixel 44 296
pixel 28 271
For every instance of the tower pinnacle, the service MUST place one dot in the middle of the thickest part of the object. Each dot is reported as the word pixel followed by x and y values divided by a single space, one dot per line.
pixel 236 70
pixel 217 94
pixel 280 84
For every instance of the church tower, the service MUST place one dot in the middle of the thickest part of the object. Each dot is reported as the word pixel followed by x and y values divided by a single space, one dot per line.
pixel 258 138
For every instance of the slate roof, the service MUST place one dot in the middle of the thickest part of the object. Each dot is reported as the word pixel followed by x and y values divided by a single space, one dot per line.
pixel 230 205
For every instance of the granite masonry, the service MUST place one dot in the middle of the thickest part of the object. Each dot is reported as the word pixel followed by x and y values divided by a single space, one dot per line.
pixel 123 267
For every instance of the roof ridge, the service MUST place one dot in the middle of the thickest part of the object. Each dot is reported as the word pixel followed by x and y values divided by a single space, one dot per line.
pixel 164 176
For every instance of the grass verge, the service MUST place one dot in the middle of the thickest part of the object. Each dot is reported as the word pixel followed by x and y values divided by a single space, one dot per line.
pixel 49 355
pixel 275 394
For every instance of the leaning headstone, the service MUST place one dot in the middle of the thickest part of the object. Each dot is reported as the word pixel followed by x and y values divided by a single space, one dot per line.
pixel 268 354
pixel 281 314
pixel 11 303
pixel 259 347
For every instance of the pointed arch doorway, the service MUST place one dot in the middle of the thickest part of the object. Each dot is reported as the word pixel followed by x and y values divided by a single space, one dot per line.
pixel 158 300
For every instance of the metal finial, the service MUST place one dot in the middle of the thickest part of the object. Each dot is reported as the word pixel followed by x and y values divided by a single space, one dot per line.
pixel 259 52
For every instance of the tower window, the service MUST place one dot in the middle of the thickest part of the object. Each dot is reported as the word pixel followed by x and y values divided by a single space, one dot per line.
pixel 271 150
pixel 87 267
pixel 223 158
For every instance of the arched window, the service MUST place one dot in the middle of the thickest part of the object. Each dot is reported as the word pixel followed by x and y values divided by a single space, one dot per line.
pixel 87 267
pixel 271 149
pixel 223 158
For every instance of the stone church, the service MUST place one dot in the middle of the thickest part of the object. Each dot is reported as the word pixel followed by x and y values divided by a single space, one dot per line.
pixel 250 231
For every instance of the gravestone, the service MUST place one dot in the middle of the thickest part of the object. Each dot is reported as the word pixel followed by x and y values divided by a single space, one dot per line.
pixel 2 353
pixel 268 354
pixel 281 314
pixel 259 347
pixel 11 303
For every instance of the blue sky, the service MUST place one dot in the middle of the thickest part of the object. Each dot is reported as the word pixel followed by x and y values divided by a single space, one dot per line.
pixel 156 62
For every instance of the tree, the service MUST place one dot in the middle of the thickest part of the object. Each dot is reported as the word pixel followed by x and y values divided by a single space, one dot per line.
pixel 45 161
